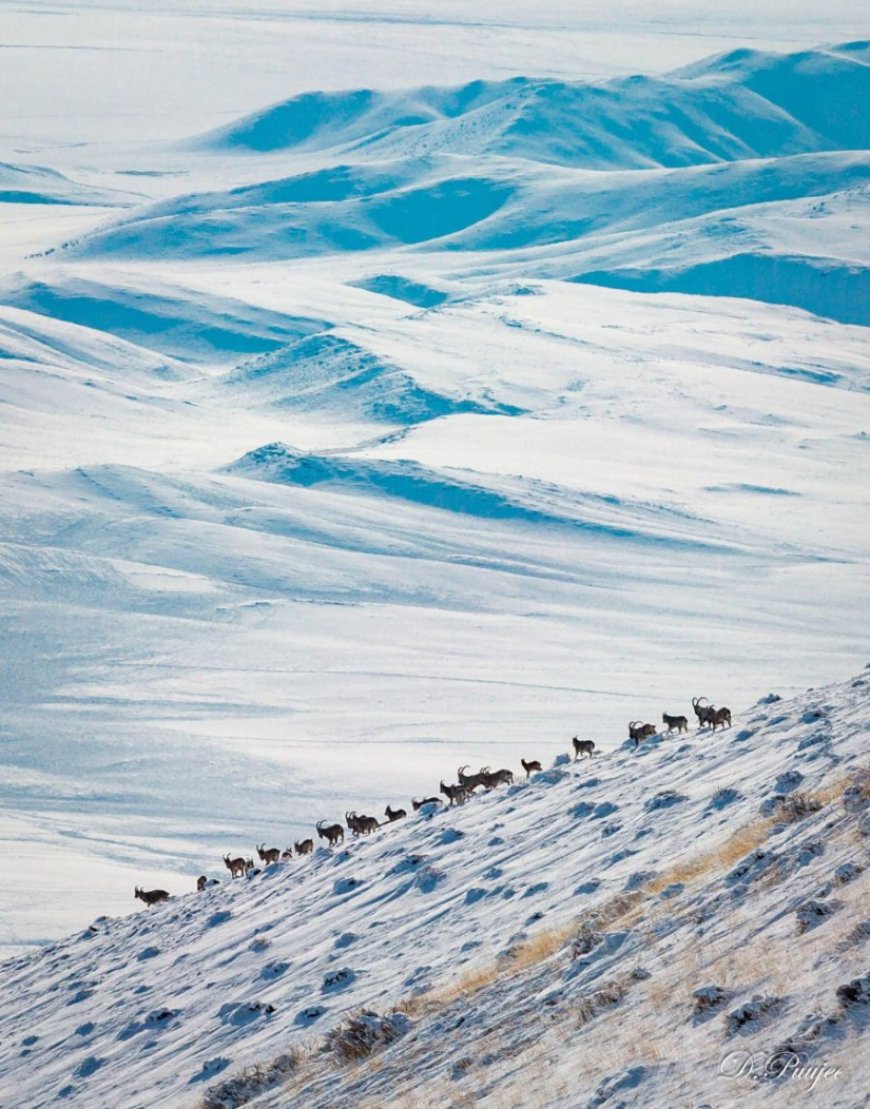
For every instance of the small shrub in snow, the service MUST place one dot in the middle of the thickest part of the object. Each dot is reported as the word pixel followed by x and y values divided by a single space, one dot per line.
pixel 752 1012
pixel 813 913
pixel 250 1083
pixel 724 797
pixel 627 1080
pixel 856 796
pixel 364 1034
pixel 846 873
pixel 338 979
pixel 609 995
pixel 856 992
pixel 796 806
pixel 709 997
pixel 664 800
pixel 788 781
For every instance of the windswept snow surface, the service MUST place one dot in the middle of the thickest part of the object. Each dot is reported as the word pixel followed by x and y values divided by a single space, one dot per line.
pixel 408 405
pixel 479 922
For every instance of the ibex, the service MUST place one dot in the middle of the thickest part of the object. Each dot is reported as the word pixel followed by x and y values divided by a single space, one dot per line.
pixel 304 847
pixel 286 855
pixel 270 855
pixel 361 825
pixel 417 805
pixel 678 722
pixel 151 897
pixel 472 781
pixel 529 767
pixel 583 747
pixel 236 867
pixel 638 731
pixel 497 777
pixel 703 712
pixel 367 824
pixel 333 833
pixel 201 883
pixel 720 716
pixel 394 814
pixel 458 795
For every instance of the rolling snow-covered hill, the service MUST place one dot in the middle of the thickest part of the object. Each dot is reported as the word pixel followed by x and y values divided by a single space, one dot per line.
pixel 629 926
pixel 407 422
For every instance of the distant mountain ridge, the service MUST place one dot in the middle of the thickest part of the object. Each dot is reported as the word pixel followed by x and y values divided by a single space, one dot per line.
pixel 738 105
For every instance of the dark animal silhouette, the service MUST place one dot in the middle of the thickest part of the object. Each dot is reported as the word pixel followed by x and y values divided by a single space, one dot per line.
pixel 333 833
pixel 151 897
pixel 583 747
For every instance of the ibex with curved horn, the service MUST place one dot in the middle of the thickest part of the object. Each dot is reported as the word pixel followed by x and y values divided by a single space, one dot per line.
pixel 332 833
pixel 638 731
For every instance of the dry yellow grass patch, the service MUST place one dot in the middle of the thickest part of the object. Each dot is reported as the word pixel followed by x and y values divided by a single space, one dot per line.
pixel 724 855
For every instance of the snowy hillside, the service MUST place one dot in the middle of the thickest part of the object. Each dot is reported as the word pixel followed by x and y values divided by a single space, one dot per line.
pixel 429 391
pixel 632 924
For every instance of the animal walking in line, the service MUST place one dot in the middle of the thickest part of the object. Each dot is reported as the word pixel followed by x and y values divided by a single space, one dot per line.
pixel 270 855
pixel 201 883
pixel 719 718
pixel 457 795
pixel 304 846
pixel 361 825
pixel 638 731
pixel 394 814
pixel 531 767
pixel 417 805
pixel 704 713
pixel 496 777
pixel 236 867
pixel 709 714
pixel 286 855
pixel 583 747
pixel 679 722
pixel 151 897
pixel 470 782
pixel 332 833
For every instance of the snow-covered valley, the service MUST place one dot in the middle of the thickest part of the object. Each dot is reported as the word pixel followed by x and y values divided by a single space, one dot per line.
pixel 415 404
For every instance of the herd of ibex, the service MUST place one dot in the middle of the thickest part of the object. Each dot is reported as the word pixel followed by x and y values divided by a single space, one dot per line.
pixel 362 825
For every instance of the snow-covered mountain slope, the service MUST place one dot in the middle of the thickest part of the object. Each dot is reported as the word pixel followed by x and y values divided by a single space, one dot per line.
pixel 635 924
pixel 199 630
pixel 327 456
